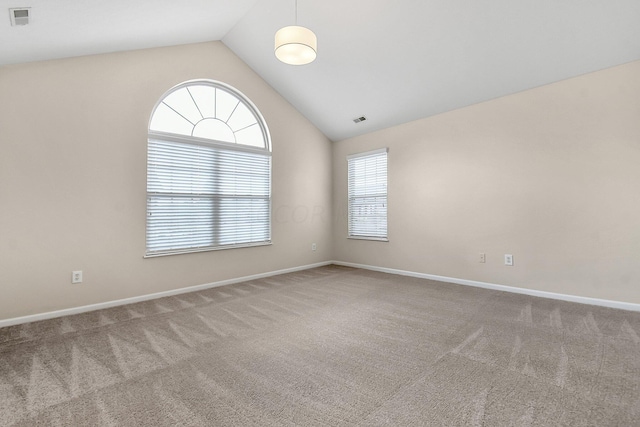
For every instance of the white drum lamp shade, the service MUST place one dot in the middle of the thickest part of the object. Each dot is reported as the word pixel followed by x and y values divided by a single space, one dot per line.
pixel 296 45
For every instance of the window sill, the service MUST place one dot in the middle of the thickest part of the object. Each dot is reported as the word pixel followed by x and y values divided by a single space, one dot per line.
pixel 207 249
pixel 375 239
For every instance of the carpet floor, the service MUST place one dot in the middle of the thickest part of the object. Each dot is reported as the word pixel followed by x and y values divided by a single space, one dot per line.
pixel 331 346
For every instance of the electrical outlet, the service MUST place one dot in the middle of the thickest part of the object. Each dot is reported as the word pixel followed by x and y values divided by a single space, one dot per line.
pixel 483 257
pixel 508 259
pixel 76 276
pixel 314 247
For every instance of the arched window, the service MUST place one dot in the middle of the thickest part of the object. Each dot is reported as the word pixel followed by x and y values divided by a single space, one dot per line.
pixel 208 171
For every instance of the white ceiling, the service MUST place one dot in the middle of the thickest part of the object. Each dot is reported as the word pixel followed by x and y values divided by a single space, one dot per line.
pixel 65 28
pixel 391 61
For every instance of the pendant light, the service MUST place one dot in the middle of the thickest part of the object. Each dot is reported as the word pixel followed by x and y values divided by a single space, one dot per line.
pixel 296 45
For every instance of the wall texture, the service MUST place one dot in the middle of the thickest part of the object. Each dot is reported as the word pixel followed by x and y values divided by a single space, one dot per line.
pixel 73 179
pixel 550 175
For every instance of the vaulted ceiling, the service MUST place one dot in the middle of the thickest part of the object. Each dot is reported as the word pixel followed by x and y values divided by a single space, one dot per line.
pixel 391 61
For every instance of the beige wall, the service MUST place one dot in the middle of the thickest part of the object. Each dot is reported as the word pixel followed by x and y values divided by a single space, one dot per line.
pixel 550 175
pixel 73 179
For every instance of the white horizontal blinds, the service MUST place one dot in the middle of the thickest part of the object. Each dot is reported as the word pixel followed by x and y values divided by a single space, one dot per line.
pixel 206 196
pixel 367 192
pixel 208 171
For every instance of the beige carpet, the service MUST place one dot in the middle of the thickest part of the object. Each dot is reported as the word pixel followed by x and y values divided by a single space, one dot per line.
pixel 326 347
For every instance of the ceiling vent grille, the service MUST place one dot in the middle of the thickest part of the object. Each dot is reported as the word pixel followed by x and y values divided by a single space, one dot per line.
pixel 19 16
pixel 359 119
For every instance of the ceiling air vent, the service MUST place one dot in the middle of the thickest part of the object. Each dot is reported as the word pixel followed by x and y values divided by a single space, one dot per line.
pixel 359 119
pixel 19 16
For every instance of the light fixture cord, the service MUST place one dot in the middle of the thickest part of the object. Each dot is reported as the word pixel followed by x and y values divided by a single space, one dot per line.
pixel 296 12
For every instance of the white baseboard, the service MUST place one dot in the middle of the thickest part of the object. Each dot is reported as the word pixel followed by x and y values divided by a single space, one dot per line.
pixel 115 303
pixel 99 306
pixel 543 294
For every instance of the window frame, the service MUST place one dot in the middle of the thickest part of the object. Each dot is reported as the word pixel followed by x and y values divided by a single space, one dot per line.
pixel 351 233
pixel 213 144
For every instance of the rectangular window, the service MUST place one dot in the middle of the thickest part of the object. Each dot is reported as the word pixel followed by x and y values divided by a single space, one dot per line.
pixel 367 192
pixel 203 197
